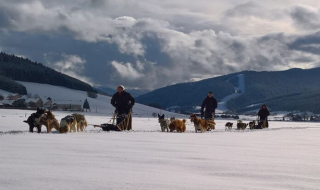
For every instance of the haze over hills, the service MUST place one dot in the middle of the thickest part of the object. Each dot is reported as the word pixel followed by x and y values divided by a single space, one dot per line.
pixel 294 89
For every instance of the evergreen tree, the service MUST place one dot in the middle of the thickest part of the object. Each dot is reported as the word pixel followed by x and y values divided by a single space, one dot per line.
pixel 86 105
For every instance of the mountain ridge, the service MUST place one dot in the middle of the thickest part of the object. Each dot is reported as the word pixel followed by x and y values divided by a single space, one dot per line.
pixel 260 87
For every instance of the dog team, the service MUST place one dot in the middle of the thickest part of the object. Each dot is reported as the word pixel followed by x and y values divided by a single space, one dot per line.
pixel 209 105
pixel 123 102
pixel 74 122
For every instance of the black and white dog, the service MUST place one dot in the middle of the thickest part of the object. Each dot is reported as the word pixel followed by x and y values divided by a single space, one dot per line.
pixel 228 126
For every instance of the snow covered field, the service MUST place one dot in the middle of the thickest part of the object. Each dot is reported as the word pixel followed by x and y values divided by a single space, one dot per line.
pixel 286 156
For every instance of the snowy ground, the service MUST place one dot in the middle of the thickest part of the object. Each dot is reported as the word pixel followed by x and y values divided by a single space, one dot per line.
pixel 286 156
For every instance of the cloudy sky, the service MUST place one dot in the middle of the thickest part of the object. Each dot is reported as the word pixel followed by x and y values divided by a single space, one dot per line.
pixel 149 44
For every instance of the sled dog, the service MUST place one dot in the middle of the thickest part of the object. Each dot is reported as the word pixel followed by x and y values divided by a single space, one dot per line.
pixel 164 123
pixel 178 125
pixel 228 126
pixel 33 120
pixel 49 120
pixel 201 124
pixel 81 121
pixel 252 124
pixel 241 125
pixel 67 124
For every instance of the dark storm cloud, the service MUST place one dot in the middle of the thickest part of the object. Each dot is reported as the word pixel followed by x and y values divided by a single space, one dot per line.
pixel 308 43
pixel 150 44
pixel 306 18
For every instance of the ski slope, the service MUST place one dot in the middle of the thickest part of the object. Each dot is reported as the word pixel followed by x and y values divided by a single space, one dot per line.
pixel 222 105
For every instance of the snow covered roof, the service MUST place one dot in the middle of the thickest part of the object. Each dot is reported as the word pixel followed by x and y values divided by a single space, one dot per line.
pixel 72 102
pixel 4 93
pixel 32 99
pixel 9 102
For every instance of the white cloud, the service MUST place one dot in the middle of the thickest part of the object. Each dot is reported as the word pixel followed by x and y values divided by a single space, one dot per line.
pixel 72 65
pixel 126 70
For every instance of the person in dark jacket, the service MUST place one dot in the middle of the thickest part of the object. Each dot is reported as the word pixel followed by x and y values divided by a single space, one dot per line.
pixel 122 101
pixel 263 116
pixel 210 103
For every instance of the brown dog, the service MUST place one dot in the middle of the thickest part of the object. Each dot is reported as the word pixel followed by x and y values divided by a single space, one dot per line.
pixel 49 120
pixel 178 125
pixel 201 124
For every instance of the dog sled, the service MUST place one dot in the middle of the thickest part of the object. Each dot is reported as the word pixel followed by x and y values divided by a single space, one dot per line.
pixel 123 123
pixel 257 124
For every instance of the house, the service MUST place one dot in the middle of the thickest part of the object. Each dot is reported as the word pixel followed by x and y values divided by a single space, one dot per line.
pixel 13 97
pixel 1 97
pixel 34 102
pixel 7 103
pixel 71 107
pixel 48 104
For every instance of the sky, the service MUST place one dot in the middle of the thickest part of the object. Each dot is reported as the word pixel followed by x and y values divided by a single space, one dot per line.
pixel 148 44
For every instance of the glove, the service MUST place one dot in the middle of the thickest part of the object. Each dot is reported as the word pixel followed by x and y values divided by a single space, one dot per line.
pixel 116 111
pixel 202 114
pixel 130 107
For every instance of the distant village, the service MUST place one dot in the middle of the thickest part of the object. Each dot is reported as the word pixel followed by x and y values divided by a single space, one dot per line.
pixel 17 101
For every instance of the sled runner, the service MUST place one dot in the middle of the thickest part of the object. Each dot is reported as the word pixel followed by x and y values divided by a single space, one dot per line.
pixel 108 127
pixel 124 122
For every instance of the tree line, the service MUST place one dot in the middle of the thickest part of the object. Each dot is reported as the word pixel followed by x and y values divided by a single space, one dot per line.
pixel 23 69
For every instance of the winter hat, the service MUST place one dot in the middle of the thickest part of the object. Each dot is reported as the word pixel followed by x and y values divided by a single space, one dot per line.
pixel 121 87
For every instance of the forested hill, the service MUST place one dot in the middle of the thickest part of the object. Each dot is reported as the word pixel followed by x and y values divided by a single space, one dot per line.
pixel 12 86
pixel 187 95
pixel 22 69
pixel 294 89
